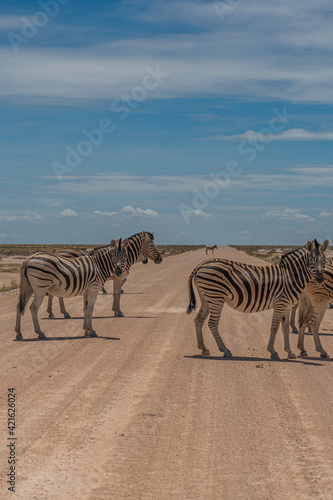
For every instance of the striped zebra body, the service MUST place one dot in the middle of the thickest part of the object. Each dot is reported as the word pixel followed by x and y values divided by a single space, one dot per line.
pixel 68 277
pixel 212 248
pixel 313 304
pixel 249 289
pixel 139 245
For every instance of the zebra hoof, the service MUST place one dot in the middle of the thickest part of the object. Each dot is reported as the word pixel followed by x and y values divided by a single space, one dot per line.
pixel 205 352
pixel 122 291
pixel 304 354
pixel 51 316
pixel 294 330
pixel 292 355
pixel 19 336
pixel 93 334
pixel 324 355
pixel 104 292
pixel 41 335
pixel 227 355
pixel 118 314
pixel 275 356
pixel 67 316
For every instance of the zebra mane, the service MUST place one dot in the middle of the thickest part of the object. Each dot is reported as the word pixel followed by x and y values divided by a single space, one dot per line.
pixel 292 255
pixel 151 235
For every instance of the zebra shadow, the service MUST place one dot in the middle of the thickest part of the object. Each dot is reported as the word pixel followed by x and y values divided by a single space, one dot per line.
pixel 77 337
pixel 102 317
pixel 262 360
pixel 321 334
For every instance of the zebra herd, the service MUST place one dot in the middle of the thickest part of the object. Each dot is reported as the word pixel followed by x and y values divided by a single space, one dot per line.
pixel 249 288
pixel 71 273
pixel 303 278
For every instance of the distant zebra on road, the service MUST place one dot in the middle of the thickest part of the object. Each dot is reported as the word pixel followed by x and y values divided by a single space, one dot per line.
pixel 250 289
pixel 210 248
pixel 68 277
pixel 139 245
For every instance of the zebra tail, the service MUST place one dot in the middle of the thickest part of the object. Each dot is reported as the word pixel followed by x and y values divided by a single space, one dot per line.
pixel 305 310
pixel 24 287
pixel 191 306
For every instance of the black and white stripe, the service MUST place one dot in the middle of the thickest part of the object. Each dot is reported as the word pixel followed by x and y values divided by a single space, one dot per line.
pixel 249 289
pixel 140 245
pixel 68 277
pixel 313 304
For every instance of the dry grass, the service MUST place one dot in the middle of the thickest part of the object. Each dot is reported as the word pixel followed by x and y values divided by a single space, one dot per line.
pixel 12 286
pixel 270 253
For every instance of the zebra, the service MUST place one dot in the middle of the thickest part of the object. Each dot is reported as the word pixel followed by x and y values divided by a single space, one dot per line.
pixel 138 244
pixel 68 277
pixel 314 302
pixel 210 248
pixel 249 288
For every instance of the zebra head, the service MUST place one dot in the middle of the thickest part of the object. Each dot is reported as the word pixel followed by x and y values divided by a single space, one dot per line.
pixel 317 259
pixel 148 248
pixel 119 256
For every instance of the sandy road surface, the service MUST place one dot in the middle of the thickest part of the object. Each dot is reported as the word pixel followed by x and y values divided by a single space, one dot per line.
pixel 138 414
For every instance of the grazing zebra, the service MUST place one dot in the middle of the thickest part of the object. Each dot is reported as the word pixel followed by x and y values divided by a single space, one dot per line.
pixel 140 244
pixel 250 289
pixel 210 248
pixel 314 302
pixel 68 277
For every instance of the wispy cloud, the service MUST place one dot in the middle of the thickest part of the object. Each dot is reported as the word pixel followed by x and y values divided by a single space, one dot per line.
pixel 288 214
pixel 131 211
pixel 294 134
pixel 21 218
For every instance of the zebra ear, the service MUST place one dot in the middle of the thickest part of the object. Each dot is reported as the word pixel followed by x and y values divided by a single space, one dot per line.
pixel 125 243
pixel 309 246
pixel 113 243
pixel 324 246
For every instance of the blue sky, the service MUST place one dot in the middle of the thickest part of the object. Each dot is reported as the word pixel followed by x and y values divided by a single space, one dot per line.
pixel 205 122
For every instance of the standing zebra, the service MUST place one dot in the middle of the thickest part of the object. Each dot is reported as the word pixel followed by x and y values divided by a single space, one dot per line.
pixel 313 304
pixel 250 289
pixel 140 244
pixel 68 277
pixel 210 248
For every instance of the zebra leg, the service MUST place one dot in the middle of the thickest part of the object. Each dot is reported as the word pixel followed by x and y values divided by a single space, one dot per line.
pixel 25 294
pixel 277 316
pixel 300 340
pixel 49 306
pixel 37 302
pixel 63 309
pixel 89 302
pixel 124 281
pixel 199 321
pixel 316 321
pixel 285 329
pixel 213 323
pixel 117 283
pixel 292 319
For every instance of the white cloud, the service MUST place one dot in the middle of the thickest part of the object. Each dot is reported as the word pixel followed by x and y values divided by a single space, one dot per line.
pixel 293 63
pixel 294 134
pixel 325 213
pixel 137 212
pixel 288 214
pixel 19 218
pixel 129 210
pixel 68 212
pixel 109 214
pixel 200 213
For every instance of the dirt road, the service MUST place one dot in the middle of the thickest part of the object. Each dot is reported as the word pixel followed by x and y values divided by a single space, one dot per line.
pixel 138 414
